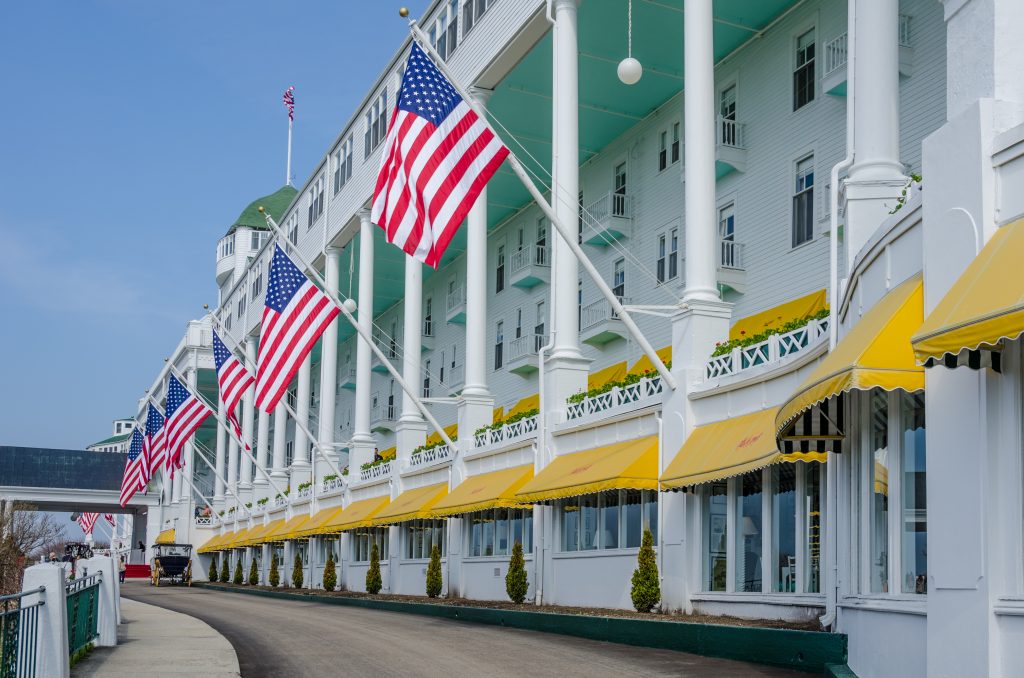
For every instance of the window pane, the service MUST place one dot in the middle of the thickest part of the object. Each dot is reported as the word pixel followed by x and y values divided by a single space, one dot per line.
pixel 784 526
pixel 631 509
pixel 517 530
pixel 501 545
pixel 474 535
pixel 812 512
pixel 879 514
pixel 914 539
pixel 651 513
pixel 528 531
pixel 717 533
pixel 610 520
pixel 488 533
pixel 748 528
pixel 588 523
pixel 570 526
pixel 428 540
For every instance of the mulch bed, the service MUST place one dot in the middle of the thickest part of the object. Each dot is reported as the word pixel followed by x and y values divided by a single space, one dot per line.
pixel 557 609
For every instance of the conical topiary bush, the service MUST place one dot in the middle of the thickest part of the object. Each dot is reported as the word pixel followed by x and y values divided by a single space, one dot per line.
pixel 237 580
pixel 213 570
pixel 646 591
pixel 330 574
pixel 297 571
pixel 374 583
pixel 515 580
pixel 275 576
pixel 254 574
pixel 225 576
pixel 434 580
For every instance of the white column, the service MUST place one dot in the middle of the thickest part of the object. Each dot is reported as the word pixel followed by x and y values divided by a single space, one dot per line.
pixel 876 178
pixel 476 287
pixel 51 651
pixel 278 471
pixel 261 488
pixel 699 152
pixel 300 459
pixel 233 455
pixel 184 489
pixel 221 459
pixel 411 431
pixel 329 360
pixel 362 439
pixel 248 414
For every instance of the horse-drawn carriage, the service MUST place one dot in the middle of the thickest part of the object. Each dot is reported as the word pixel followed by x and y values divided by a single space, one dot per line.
pixel 171 562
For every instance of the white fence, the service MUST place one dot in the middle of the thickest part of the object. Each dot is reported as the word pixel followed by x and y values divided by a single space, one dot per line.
pixel 773 349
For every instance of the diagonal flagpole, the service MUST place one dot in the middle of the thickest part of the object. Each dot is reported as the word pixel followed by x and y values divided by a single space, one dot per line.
pixel 236 347
pixel 567 236
pixel 347 307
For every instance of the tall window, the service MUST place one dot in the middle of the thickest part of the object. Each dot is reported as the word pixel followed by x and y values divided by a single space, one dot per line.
pixel 519 322
pixel 914 535
pixel 426 378
pixel 316 201
pixel 619 279
pixel 444 34
pixel 748 532
pixel 241 305
pixel 499 271
pixel 662 150
pixel 803 202
pixel 803 76
pixel 675 142
pixel 494 532
pixel 662 254
pixel 542 242
pixel 363 540
pixel 342 164
pixel 257 283
pixel 619 193
pixel 293 228
pixel 422 535
pixel 499 344
pixel 472 10
pixel 673 253
pixel 428 317
pixel 608 520
pixel 727 115
pixel 727 236
pixel 538 328
pixel 716 535
pixel 376 124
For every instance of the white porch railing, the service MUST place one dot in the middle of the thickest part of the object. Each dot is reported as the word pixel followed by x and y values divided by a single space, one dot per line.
pixel 524 428
pixel 771 350
pixel 526 345
pixel 609 205
pixel 304 493
pixel 598 312
pixel 731 254
pixel 435 455
pixel 204 521
pixel 731 133
pixel 534 255
pixel 643 393
pixel 835 52
pixel 332 485
pixel 378 471
pixel 381 411
pixel 455 298
pixel 280 500
pixel 904 30
pixel 455 376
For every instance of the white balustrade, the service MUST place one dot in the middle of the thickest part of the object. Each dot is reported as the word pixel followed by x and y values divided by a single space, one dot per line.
pixel 204 521
pixel 773 349
pixel 643 393
pixel 304 492
pixel 455 298
pixel 835 51
pixel 435 455
pixel 518 430
pixel 731 133
pixel 526 345
pixel 332 485
pixel 378 471
pixel 598 312
pixel 731 254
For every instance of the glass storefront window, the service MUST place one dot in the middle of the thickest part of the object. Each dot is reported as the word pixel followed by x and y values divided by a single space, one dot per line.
pixel 421 536
pixel 716 531
pixel 475 528
pixel 588 522
pixel 610 520
pixel 878 430
pixel 783 495
pixel 914 536
pixel 364 538
pixel 503 527
pixel 570 526
pixel 632 507
pixel 812 522
pixel 501 545
pixel 748 532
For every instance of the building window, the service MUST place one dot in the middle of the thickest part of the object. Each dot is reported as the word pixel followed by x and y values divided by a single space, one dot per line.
pixel 428 317
pixel 426 379
pixel 494 532
pixel 421 536
pixel 542 242
pixel 519 322
pixel 472 10
pixel 748 532
pixel 227 322
pixel 257 284
pixel 293 228
pixel 499 271
pixel 328 550
pixel 363 540
pixel 662 150
pixel 619 192
pixel 538 329
pixel 444 34
pixel 342 165
pixel 783 517
pixel 803 76
pixel 499 343
pixel 241 305
pixel 257 238
pixel 608 520
pixel 727 115
pixel 716 535
pixel 675 142
pixel 289 452
pixel 803 202
pixel 316 202
pixel 662 254
pixel 376 124
pixel 673 253
pixel 619 279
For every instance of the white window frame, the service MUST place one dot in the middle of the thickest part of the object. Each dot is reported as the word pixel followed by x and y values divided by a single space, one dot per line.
pixel 796 66
pixel 376 118
pixel 809 229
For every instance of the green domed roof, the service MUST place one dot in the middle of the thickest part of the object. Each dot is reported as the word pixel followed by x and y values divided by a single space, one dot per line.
pixel 275 204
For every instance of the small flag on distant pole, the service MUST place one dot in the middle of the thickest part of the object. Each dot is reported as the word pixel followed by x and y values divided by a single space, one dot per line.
pixel 185 413
pixel 295 315
pixel 438 157
pixel 134 471
pixel 233 380
pixel 289 101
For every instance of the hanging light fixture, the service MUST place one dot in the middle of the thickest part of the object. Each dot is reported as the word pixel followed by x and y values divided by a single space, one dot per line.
pixel 630 70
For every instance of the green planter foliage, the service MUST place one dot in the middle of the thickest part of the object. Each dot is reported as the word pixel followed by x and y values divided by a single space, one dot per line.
pixel 374 583
pixel 330 574
pixel 434 581
pixel 213 570
pixel 275 576
pixel 723 347
pixel 224 574
pixel 254 575
pixel 297 572
pixel 646 592
pixel 515 580
pixel 238 574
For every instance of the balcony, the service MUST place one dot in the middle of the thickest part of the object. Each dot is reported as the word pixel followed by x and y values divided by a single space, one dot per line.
pixel 599 325
pixel 382 414
pixel 608 219
pixel 644 393
pixel 730 147
pixel 331 486
pixel 391 350
pixel 530 266
pixel 225 258
pixel 347 379
pixel 455 378
pixel 204 521
pixel 732 268
pixel 438 454
pixel 836 54
pixel 773 350
pixel 455 305
pixel 522 353
pixel 378 471
pixel 517 431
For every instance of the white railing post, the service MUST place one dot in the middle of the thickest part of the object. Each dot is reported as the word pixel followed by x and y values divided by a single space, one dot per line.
pixel 52 639
pixel 773 348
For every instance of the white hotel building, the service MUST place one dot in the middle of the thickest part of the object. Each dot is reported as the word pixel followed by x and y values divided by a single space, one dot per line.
pixel 786 476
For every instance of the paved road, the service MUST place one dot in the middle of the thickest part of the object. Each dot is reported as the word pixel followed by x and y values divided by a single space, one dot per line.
pixel 296 638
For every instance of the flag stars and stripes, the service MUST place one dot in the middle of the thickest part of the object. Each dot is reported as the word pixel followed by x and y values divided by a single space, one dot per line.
pixel 135 473
pixel 155 445
pixel 185 413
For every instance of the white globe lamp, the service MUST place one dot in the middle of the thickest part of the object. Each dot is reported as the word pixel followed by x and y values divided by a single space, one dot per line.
pixel 630 71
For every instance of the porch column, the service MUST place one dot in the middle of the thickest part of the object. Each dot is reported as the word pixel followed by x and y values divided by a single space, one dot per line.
pixel 260 486
pixel 233 455
pixel 411 430
pixel 278 471
pixel 876 177
pixel 329 361
pixel 222 448
pixel 248 414
pixel 361 450
pixel 699 152
pixel 184 489
pixel 300 458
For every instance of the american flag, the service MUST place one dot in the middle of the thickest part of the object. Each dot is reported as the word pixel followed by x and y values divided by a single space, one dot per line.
pixel 295 315
pixel 289 102
pixel 155 446
pixel 134 469
pixel 87 521
pixel 233 379
pixel 439 155
pixel 110 519
pixel 185 413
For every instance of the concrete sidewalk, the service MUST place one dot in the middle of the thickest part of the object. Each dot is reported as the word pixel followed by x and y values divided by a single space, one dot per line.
pixel 154 641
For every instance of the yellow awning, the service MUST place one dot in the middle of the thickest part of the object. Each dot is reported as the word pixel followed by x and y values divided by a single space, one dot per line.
pixel 240 537
pixel 212 544
pixel 609 374
pixel 729 448
pixel 645 364
pixel 258 536
pixel 357 514
pixel 165 537
pixel 876 353
pixel 286 530
pixel 315 525
pixel 497 415
pixel 986 304
pixel 632 465
pixel 411 504
pixel 525 405
pixel 778 316
pixel 389 453
pixel 435 437
pixel 488 490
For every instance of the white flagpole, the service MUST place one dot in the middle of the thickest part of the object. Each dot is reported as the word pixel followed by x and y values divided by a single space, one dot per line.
pixel 346 308
pixel 236 347
pixel 288 167
pixel 568 236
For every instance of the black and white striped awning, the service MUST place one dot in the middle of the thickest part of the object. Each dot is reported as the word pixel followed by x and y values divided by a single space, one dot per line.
pixel 820 428
pixel 975 359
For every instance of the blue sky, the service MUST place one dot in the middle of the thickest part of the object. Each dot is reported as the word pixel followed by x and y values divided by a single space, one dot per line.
pixel 132 135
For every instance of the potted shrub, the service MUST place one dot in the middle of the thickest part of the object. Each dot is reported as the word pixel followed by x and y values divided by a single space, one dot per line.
pixel 330 574
pixel 645 591
pixel 515 580
pixel 237 581
pixel 434 580
pixel 374 583
pixel 275 576
pixel 225 576
pixel 297 571
pixel 254 575
pixel 213 570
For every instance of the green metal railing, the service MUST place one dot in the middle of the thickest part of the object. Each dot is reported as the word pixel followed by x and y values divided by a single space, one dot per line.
pixel 83 609
pixel 19 633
